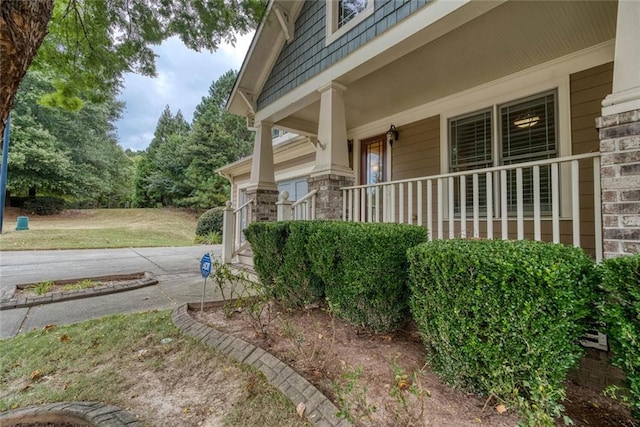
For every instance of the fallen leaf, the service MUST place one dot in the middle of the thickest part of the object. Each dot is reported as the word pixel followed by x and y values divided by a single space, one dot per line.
pixel 35 375
pixel 50 327
pixel 300 409
pixel 65 338
pixel 501 409
pixel 320 336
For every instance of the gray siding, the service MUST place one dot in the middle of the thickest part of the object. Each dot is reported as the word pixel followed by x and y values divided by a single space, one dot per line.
pixel 307 55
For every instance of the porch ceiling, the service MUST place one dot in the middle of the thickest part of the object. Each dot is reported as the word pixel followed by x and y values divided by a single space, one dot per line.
pixel 511 37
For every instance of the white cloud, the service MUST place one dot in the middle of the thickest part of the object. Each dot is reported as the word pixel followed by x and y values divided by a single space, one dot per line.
pixel 184 77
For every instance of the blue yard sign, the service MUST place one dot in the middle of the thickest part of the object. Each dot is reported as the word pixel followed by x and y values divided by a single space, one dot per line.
pixel 205 270
pixel 205 265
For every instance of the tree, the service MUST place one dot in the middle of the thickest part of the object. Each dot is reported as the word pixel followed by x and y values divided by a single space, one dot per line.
pixel 89 44
pixel 37 163
pixel 95 169
pixel 158 173
pixel 217 138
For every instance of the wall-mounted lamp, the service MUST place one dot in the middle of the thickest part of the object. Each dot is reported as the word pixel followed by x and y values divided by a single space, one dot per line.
pixel 392 135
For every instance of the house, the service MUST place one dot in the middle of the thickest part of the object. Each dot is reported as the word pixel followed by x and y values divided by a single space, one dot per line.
pixel 479 119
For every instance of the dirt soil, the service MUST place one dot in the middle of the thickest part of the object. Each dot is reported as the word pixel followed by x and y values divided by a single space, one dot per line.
pixel 328 351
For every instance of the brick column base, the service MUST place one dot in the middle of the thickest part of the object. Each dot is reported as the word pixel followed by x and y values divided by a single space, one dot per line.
pixel 329 195
pixel 620 180
pixel 263 207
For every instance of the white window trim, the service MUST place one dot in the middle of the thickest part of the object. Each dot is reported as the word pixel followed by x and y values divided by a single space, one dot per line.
pixel 333 33
pixel 504 94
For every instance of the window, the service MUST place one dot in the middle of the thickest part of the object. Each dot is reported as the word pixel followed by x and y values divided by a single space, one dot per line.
pixel 349 9
pixel 471 149
pixel 526 131
pixel 342 15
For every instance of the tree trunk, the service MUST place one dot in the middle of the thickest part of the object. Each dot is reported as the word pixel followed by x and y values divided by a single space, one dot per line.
pixel 23 26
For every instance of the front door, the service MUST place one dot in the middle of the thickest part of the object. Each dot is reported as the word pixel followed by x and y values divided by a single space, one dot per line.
pixel 372 171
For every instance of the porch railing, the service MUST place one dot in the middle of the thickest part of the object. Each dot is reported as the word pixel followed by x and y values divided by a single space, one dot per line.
pixel 554 200
pixel 300 210
pixel 234 223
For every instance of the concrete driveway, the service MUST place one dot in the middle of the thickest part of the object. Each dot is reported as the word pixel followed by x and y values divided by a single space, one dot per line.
pixel 177 270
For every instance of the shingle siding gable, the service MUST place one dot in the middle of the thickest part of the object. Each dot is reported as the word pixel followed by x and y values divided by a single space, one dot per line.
pixel 307 55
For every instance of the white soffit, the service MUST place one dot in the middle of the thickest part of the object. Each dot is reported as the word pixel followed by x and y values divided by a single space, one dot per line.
pixel 512 37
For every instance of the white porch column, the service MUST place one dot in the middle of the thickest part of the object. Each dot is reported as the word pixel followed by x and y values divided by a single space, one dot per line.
pixel 626 68
pixel 262 175
pixel 331 171
pixel 620 140
pixel 332 155
pixel 262 184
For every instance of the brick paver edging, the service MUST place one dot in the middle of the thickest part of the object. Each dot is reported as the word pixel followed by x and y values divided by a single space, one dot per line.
pixel 93 413
pixel 148 280
pixel 319 409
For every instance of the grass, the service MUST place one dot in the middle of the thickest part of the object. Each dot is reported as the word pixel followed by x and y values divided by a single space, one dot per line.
pixel 100 228
pixel 123 360
pixel 41 288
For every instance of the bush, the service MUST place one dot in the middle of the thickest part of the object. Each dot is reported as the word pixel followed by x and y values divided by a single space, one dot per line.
pixel 267 242
pixel 281 261
pixel 297 285
pixel 364 269
pixel 503 317
pixel 210 221
pixel 620 311
pixel 361 268
pixel 44 205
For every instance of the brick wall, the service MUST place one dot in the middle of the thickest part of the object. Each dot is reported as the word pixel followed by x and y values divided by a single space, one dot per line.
pixel 263 207
pixel 329 195
pixel 620 178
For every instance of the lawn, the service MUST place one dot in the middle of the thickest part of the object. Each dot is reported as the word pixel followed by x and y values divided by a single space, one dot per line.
pixel 100 228
pixel 143 363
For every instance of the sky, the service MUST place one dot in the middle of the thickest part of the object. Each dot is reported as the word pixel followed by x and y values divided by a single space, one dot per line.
pixel 184 77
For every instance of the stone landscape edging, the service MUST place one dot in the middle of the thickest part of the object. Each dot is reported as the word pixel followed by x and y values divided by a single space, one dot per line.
pixel 148 279
pixel 94 413
pixel 319 410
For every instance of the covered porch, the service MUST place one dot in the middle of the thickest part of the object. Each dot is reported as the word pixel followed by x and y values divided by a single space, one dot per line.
pixel 470 60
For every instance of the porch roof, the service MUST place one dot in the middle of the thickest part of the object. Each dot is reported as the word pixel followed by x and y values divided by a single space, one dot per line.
pixel 408 66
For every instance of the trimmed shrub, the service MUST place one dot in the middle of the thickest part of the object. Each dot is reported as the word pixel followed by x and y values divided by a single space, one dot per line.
pixel 620 311
pixel 281 261
pixel 267 242
pixel 210 221
pixel 297 285
pixel 364 268
pixel 503 318
pixel 44 205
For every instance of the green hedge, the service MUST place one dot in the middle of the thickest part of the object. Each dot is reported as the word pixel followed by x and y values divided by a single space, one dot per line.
pixel 360 268
pixel 281 261
pixel 267 242
pixel 364 268
pixel 210 222
pixel 503 318
pixel 620 311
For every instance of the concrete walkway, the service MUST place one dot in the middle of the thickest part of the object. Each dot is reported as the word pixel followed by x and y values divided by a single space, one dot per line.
pixel 177 271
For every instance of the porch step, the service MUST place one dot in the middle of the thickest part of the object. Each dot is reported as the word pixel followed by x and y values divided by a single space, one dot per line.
pixel 248 270
pixel 245 257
